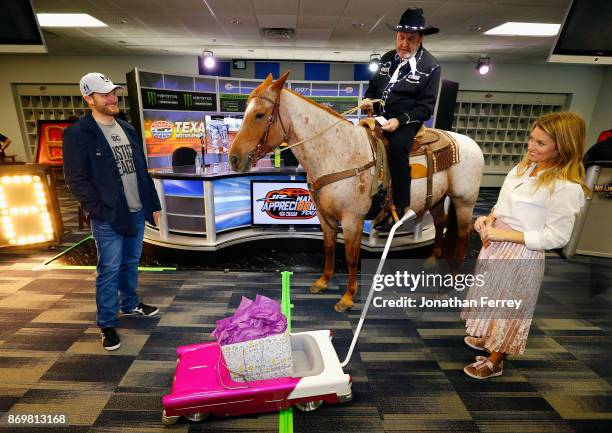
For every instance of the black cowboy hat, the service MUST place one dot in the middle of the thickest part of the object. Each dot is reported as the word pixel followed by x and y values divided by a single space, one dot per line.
pixel 413 21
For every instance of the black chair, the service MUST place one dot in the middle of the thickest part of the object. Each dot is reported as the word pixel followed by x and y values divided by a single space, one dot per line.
pixel 183 156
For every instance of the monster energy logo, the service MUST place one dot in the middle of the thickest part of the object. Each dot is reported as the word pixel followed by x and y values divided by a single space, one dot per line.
pixel 151 97
pixel 187 100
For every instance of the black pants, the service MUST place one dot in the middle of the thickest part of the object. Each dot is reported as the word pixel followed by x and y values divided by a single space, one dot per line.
pixel 400 143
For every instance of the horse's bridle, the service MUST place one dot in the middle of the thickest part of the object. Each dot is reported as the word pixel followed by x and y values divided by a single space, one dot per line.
pixel 274 116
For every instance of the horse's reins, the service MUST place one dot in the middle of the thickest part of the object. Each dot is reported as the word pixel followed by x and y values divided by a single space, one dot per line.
pixel 275 114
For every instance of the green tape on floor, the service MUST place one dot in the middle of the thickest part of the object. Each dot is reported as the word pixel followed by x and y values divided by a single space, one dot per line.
pixel 285 419
pixel 65 251
pixel 91 267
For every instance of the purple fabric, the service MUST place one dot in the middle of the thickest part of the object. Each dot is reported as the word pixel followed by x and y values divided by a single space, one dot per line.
pixel 252 320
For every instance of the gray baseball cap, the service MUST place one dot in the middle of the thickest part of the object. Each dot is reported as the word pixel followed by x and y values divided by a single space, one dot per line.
pixel 95 82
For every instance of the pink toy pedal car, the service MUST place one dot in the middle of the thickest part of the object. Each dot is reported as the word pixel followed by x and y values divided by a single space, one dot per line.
pixel 202 384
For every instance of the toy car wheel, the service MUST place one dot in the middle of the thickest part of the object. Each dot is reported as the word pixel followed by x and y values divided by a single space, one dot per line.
pixel 309 405
pixel 198 416
pixel 168 420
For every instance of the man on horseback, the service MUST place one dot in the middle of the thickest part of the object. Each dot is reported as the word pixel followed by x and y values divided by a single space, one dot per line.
pixel 407 81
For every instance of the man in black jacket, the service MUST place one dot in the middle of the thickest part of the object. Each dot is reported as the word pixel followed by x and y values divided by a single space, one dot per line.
pixel 407 81
pixel 105 169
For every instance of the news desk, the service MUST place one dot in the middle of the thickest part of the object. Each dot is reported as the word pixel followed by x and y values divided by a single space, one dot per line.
pixel 210 208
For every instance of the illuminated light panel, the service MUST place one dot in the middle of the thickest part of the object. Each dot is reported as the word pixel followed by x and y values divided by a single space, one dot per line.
pixel 26 179
pixel 16 179
pixel 36 178
pixel 4 212
pixel 6 180
pixel 38 186
pixel 68 20
pixel 49 237
pixel 524 29
pixel 13 241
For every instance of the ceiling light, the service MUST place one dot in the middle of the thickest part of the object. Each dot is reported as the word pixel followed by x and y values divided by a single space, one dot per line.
pixel 374 62
pixel 483 66
pixel 524 29
pixel 358 24
pixel 209 59
pixel 69 20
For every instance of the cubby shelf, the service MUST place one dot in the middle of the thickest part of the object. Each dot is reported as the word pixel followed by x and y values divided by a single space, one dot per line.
pixel 500 122
pixel 53 102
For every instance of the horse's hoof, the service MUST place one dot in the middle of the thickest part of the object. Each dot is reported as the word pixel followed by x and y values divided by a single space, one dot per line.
pixel 317 288
pixel 430 263
pixel 342 306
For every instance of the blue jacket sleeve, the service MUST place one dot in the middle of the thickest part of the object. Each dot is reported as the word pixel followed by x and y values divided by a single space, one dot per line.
pixel 77 175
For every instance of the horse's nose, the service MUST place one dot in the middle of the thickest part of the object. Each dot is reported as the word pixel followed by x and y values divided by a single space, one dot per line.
pixel 234 159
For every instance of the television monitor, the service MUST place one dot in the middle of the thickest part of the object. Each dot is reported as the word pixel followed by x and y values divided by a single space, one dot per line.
pixel 19 29
pixel 586 34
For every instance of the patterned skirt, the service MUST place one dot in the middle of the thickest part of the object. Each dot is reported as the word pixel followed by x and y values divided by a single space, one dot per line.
pixel 511 272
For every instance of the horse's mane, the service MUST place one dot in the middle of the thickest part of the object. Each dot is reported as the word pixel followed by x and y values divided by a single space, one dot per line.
pixel 316 104
pixel 259 89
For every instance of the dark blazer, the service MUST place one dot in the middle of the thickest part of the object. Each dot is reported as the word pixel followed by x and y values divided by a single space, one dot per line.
pixel 409 99
pixel 91 174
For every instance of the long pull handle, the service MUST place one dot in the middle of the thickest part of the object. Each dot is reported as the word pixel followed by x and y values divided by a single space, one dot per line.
pixel 410 215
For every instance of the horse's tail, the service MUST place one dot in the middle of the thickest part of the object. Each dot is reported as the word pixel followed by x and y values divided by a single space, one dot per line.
pixel 451 240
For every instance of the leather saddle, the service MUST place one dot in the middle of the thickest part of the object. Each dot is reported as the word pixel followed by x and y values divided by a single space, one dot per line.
pixel 437 146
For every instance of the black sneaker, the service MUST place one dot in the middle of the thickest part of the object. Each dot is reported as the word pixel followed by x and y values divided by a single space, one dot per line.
pixel 110 339
pixel 144 310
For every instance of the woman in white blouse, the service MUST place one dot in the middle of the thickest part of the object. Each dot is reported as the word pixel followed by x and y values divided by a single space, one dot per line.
pixel 535 211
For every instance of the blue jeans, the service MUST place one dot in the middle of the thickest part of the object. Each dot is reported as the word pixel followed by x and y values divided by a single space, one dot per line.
pixel 118 258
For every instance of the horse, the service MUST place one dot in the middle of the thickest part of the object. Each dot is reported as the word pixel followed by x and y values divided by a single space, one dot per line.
pixel 275 114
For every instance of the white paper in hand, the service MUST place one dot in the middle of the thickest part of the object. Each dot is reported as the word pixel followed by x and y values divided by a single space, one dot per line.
pixel 381 120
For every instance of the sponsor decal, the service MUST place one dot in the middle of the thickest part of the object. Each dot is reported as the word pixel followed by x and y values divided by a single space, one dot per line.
pixel 161 129
pixel 189 129
pixel 229 86
pixel 348 89
pixel 177 100
pixel 151 97
pixel 288 203
pixel 302 90
pixel 187 100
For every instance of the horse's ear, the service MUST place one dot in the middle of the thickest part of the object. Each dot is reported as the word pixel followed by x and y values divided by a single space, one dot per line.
pixel 269 78
pixel 278 84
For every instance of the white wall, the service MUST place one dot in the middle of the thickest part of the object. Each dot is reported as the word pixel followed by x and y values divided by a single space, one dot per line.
pixel 591 86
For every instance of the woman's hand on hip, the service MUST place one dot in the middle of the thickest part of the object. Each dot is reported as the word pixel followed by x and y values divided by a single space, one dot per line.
pixel 391 125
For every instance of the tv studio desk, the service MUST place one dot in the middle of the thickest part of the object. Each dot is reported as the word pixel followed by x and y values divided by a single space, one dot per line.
pixel 210 208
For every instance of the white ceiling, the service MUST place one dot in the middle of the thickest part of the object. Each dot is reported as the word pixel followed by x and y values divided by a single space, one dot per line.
pixel 329 30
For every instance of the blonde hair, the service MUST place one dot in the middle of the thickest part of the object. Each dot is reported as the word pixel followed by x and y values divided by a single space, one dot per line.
pixel 568 131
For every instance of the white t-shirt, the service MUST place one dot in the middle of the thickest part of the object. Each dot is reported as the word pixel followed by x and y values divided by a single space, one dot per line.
pixel 546 219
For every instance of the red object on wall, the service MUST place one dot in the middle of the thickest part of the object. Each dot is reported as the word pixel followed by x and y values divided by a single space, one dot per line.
pixel 49 141
pixel 605 135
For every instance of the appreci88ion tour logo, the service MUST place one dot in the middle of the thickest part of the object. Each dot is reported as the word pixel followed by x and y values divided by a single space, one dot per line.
pixel 161 129
pixel 288 203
